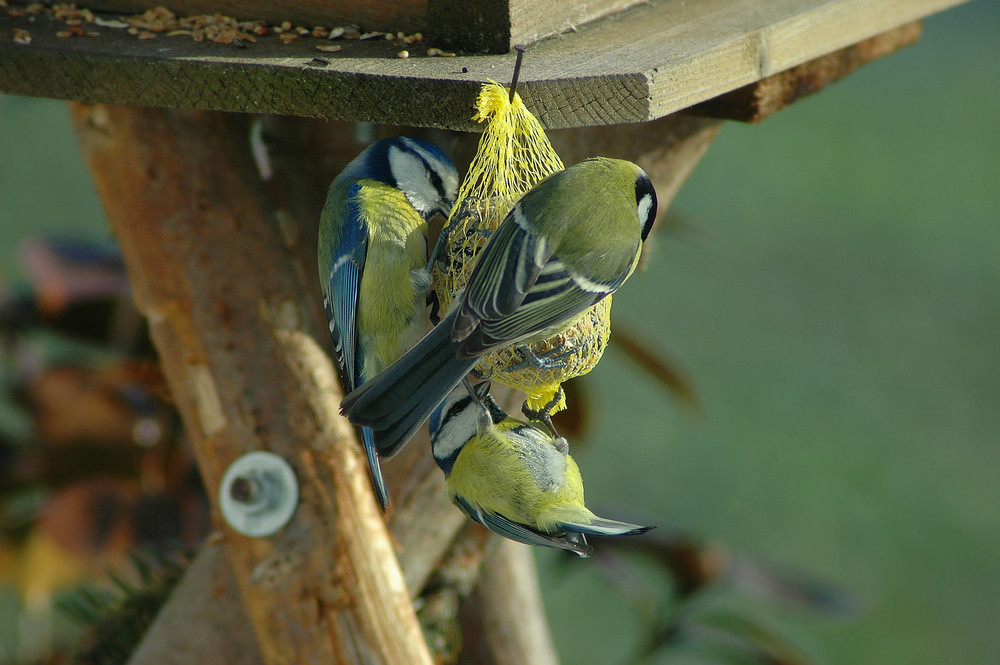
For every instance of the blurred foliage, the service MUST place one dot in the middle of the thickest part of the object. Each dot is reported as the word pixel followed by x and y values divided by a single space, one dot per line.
pixel 838 310
pixel 102 467
pixel 115 620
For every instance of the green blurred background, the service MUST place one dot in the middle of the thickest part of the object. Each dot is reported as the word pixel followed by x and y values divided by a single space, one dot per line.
pixel 835 295
pixel 837 303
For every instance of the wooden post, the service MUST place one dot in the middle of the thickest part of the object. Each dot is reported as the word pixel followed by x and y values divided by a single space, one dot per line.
pixel 234 326
pixel 203 621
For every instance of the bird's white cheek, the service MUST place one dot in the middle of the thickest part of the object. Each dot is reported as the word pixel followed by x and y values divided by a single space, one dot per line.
pixel 455 433
pixel 645 204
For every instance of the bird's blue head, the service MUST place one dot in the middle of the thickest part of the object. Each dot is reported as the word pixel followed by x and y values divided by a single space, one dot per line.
pixel 459 418
pixel 416 167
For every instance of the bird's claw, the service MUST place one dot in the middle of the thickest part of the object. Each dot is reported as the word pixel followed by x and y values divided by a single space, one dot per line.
pixel 544 415
pixel 552 359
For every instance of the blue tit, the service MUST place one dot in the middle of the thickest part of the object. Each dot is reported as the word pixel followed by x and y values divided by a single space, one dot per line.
pixel 515 479
pixel 373 259
pixel 570 241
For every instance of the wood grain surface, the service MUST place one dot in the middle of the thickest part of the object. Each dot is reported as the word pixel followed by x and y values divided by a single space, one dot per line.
pixel 635 66
pixel 240 339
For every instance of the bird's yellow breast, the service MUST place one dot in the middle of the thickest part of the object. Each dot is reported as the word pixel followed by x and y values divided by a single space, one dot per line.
pixel 392 301
pixel 493 471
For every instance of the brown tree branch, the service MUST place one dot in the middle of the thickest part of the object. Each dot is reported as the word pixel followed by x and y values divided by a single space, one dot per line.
pixel 238 343
pixel 187 632
pixel 505 620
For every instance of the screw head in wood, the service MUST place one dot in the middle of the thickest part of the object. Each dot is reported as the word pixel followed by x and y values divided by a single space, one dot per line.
pixel 258 494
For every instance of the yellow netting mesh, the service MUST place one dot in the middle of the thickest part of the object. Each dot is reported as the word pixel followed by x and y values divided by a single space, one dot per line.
pixel 513 155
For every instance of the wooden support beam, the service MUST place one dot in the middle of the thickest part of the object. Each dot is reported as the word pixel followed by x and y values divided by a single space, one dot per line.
pixel 203 621
pixel 754 102
pixel 235 328
pixel 641 64
pixel 507 590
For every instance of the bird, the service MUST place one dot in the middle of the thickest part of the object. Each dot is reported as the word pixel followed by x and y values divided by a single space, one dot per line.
pixel 512 477
pixel 569 242
pixel 373 263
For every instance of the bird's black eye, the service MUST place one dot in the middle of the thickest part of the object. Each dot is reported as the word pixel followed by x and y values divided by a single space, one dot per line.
pixel 645 201
pixel 436 181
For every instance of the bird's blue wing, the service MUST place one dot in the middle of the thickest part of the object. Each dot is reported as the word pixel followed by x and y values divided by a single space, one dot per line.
pixel 553 298
pixel 518 532
pixel 519 288
pixel 347 264
pixel 506 269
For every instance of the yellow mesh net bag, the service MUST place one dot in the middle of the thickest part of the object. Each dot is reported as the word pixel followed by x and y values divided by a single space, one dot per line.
pixel 513 155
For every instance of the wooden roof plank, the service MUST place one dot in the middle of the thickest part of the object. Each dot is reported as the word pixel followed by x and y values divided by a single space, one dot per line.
pixel 635 66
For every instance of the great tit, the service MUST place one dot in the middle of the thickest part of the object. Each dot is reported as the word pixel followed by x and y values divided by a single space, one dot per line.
pixel 570 241
pixel 373 259
pixel 515 479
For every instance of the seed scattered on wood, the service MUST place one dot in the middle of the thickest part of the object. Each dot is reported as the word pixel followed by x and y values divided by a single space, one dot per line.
pixel 212 27
pixel 112 23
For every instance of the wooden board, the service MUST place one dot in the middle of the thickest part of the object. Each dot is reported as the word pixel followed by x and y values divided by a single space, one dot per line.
pixel 638 65
pixel 754 102
pixel 406 15
pixel 500 25
pixel 494 26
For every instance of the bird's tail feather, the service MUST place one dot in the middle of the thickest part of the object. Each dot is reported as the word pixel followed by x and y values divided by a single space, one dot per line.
pixel 381 493
pixel 603 527
pixel 396 403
